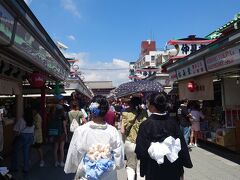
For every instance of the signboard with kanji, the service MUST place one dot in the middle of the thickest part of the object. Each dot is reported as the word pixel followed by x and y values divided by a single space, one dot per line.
pixel 224 59
pixel 191 70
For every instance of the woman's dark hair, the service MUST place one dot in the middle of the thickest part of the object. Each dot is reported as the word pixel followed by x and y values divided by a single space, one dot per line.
pixel 74 105
pixel 135 102
pixel 184 101
pixel 158 100
pixel 28 117
pixel 195 105
pixel 103 104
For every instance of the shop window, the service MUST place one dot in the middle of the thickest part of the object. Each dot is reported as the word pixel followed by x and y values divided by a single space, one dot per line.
pixel 232 116
pixel 152 59
pixel 8 107
pixel 6 26
pixel 27 43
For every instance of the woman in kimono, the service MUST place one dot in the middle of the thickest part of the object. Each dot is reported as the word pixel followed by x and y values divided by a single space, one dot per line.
pixel 96 149
pixel 160 145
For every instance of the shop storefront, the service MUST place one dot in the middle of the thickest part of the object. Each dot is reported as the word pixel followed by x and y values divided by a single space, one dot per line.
pixel 27 56
pixel 211 76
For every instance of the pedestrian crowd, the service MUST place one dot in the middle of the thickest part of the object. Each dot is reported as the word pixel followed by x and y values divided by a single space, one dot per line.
pixel 108 135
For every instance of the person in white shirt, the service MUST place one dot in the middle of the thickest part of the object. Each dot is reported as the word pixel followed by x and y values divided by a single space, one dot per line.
pixel 24 130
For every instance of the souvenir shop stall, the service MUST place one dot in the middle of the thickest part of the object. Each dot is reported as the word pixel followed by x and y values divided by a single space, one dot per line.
pixel 211 77
pixel 28 59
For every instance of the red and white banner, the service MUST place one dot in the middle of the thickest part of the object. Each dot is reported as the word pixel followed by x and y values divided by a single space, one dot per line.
pixel 224 59
pixel 149 70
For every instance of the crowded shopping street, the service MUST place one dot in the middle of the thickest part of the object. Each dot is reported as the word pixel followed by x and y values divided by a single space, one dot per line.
pixel 119 90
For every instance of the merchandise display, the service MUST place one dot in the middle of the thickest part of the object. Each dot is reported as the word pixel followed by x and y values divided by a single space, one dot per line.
pixel 220 127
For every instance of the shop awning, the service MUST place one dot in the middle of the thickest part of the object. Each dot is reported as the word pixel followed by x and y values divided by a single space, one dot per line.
pixel 38 52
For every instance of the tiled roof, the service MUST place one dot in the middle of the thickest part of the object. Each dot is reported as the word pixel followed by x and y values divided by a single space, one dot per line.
pixel 218 32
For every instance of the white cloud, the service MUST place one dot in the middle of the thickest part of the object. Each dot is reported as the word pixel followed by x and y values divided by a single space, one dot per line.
pixel 70 6
pixel 120 63
pixel 28 2
pixel 118 74
pixel 82 57
pixel 71 37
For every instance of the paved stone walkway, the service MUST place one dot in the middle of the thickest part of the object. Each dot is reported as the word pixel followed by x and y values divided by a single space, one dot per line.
pixel 207 166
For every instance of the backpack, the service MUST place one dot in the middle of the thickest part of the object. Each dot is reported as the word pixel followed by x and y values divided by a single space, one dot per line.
pixel 74 124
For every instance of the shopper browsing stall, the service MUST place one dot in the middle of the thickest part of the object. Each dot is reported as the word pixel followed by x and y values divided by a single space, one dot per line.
pixel 196 116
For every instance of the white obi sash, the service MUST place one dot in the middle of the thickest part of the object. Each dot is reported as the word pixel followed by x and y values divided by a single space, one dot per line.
pixel 169 148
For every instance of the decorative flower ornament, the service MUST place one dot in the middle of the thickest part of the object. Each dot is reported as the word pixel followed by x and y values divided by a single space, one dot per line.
pixel 97 161
pixel 99 151
pixel 94 108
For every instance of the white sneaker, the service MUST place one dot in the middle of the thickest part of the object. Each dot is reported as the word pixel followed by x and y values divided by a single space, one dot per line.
pixel 130 173
pixel 196 145
pixel 62 164
pixel 41 163
pixel 56 164
pixel 191 145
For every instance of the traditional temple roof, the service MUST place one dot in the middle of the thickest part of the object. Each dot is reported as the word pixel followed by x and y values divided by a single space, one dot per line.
pixel 100 84
pixel 189 40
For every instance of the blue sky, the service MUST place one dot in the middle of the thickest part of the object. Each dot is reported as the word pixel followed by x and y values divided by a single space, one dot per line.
pixel 108 33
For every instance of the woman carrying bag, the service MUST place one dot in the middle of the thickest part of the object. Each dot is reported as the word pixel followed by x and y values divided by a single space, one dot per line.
pixel 131 120
pixel 75 117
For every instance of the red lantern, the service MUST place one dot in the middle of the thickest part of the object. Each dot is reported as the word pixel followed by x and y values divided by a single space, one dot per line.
pixel 37 80
pixel 191 86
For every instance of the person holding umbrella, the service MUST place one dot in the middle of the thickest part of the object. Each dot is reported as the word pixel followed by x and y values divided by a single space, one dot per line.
pixel 131 120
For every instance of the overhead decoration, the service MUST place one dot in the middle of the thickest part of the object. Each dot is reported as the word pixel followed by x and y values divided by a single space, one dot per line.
pixel 37 79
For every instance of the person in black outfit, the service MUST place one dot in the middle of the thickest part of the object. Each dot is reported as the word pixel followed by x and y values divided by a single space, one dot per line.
pixel 184 120
pixel 156 130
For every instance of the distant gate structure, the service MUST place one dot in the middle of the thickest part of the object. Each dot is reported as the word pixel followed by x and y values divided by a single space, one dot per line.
pixel 100 87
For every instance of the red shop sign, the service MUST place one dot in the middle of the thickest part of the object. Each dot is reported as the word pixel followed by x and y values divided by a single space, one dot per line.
pixel 37 80
pixel 191 86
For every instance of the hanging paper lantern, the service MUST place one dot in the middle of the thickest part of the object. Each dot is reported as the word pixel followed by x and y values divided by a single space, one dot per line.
pixel 191 86
pixel 37 80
